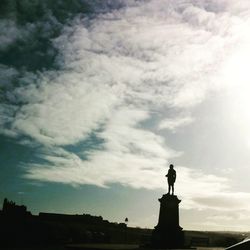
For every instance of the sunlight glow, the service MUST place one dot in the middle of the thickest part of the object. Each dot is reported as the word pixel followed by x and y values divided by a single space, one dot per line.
pixel 237 79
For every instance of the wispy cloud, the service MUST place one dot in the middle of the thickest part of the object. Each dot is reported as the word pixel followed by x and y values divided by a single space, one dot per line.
pixel 173 124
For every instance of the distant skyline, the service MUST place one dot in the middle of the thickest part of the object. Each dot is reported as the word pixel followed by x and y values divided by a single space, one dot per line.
pixel 99 97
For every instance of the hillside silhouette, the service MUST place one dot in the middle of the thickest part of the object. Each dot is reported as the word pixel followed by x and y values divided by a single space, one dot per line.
pixel 20 228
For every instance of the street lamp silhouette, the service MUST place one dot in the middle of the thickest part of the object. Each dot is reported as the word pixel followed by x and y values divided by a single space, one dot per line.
pixel 126 220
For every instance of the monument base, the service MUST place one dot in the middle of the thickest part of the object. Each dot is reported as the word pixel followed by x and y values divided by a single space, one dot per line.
pixel 168 239
pixel 168 233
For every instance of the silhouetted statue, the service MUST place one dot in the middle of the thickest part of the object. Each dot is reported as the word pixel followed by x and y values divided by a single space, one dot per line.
pixel 168 233
pixel 171 178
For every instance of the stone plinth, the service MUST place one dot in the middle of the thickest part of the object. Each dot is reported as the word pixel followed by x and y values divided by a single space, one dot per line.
pixel 168 233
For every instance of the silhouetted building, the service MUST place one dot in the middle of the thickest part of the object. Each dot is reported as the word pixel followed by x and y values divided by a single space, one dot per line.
pixel 10 208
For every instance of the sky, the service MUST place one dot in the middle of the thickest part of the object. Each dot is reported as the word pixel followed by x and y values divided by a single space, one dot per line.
pixel 99 97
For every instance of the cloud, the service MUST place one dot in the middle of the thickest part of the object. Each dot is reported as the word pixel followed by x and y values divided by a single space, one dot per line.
pixel 9 33
pixel 120 58
pixel 50 120
pixel 121 158
pixel 173 124
pixel 223 220
pixel 107 74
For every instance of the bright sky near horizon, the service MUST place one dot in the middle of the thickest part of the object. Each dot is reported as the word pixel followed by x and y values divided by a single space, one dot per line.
pixel 99 97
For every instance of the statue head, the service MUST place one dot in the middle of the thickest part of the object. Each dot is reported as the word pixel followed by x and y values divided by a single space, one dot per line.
pixel 171 166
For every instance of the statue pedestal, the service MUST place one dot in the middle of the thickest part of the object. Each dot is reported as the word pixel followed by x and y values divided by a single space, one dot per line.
pixel 168 233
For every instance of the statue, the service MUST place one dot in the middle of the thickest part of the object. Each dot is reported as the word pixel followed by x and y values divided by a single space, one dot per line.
pixel 171 178
pixel 168 233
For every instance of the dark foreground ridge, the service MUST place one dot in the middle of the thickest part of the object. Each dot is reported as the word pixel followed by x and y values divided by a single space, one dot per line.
pixel 20 228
